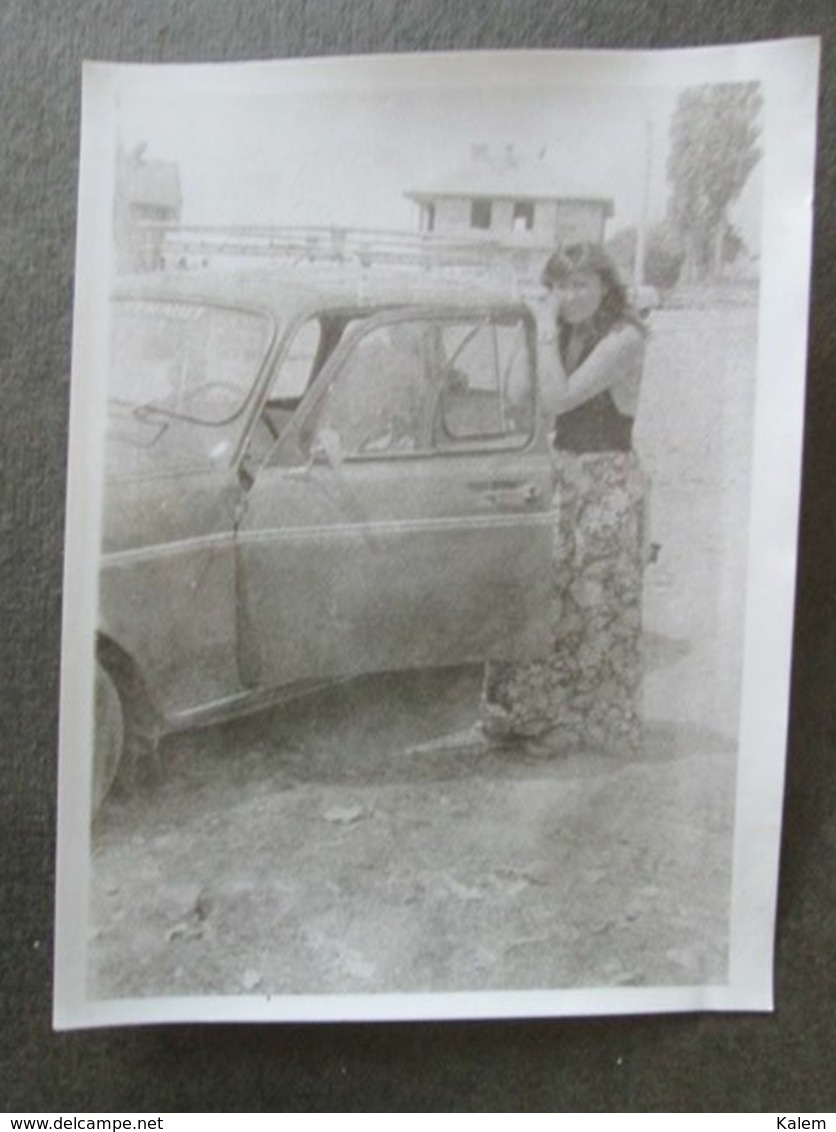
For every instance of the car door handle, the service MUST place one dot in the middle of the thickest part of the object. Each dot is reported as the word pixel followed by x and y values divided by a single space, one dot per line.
pixel 510 497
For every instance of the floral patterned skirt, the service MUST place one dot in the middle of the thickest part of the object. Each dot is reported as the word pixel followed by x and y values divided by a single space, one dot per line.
pixel 586 694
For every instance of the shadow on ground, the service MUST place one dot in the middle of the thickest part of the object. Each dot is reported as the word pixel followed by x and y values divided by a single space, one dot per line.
pixel 365 732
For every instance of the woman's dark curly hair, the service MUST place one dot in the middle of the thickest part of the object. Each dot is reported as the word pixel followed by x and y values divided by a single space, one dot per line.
pixel 587 257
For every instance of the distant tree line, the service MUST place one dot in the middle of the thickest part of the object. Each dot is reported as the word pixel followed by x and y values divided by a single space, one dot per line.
pixel 714 135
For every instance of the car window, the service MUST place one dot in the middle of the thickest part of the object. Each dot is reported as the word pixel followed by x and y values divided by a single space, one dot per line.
pixel 380 398
pixel 191 360
pixel 310 346
pixel 487 390
pixel 416 386
pixel 180 373
pixel 297 364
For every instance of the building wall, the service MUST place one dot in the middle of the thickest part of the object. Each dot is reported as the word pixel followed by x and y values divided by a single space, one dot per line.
pixel 545 221
pixel 146 192
pixel 503 217
pixel 554 221
pixel 452 214
pixel 137 248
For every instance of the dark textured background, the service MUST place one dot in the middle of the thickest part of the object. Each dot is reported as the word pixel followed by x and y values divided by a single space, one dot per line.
pixel 782 1062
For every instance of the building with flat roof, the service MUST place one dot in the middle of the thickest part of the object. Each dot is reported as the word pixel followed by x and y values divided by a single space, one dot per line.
pixel 525 204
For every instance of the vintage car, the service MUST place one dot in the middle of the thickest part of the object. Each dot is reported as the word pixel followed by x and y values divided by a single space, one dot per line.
pixel 307 483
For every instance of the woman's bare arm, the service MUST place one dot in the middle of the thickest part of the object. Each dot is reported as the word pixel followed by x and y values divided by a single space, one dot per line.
pixel 551 376
pixel 615 363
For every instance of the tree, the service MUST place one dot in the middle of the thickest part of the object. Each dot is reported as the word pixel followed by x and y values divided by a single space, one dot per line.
pixel 714 135
pixel 734 246
pixel 664 258
pixel 663 255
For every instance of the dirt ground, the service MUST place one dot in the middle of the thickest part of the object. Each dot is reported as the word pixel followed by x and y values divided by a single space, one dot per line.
pixel 313 849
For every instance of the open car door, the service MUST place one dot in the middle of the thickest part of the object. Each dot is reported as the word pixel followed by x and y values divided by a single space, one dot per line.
pixel 404 517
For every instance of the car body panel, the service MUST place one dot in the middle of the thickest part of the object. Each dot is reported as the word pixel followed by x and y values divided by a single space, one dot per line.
pixel 225 581
pixel 167 594
pixel 395 564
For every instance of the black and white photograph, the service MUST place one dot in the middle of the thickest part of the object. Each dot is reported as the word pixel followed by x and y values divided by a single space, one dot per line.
pixel 433 492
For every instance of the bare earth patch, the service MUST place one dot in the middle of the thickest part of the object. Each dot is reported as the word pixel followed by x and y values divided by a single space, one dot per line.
pixel 310 850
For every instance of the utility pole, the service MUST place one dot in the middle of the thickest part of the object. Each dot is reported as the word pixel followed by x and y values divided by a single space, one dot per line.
pixel 641 232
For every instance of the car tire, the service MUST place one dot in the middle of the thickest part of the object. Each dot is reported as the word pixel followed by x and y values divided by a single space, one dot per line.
pixel 109 737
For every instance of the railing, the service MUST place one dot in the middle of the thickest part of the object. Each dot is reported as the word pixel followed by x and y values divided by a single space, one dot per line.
pixel 189 246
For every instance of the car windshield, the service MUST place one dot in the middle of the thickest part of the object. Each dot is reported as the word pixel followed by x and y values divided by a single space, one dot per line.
pixel 187 360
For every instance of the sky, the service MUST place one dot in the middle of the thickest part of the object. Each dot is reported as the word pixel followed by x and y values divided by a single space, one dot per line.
pixel 346 157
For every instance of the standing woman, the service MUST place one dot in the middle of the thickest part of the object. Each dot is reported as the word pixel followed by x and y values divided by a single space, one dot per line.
pixel 591 346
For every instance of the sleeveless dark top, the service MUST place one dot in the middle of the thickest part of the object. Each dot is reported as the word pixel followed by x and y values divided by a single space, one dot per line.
pixel 597 425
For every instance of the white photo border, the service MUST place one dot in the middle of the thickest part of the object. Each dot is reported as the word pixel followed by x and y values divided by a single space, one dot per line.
pixel 788 73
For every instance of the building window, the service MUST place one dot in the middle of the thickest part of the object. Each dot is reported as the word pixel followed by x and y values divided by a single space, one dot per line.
pixel 523 218
pixel 429 217
pixel 480 214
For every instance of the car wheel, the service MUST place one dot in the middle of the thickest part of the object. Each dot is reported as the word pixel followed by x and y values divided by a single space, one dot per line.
pixel 109 738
